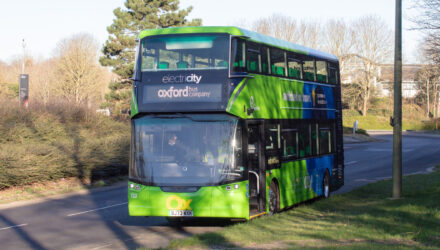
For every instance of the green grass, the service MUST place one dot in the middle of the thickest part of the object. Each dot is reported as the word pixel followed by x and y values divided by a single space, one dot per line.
pixel 365 218
pixel 378 122
pixel 45 143
pixel 380 111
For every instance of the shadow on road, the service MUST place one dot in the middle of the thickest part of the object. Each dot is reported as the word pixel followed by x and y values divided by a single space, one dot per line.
pixel 22 234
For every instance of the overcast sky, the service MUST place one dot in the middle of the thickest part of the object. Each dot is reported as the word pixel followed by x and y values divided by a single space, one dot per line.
pixel 43 23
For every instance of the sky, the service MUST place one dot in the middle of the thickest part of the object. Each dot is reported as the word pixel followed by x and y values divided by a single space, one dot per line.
pixel 44 23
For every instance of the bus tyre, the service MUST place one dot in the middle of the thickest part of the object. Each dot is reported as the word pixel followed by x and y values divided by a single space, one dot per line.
pixel 274 198
pixel 326 185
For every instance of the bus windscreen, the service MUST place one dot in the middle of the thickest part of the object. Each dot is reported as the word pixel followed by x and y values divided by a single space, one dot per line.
pixel 186 150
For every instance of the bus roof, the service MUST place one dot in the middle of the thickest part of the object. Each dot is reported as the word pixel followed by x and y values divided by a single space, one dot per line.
pixel 236 31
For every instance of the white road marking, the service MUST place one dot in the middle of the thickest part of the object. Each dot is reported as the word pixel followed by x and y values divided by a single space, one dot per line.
pixel 21 225
pixel 405 150
pixel 351 162
pixel 88 211
pixel 99 247
pixel 379 150
pixel 367 180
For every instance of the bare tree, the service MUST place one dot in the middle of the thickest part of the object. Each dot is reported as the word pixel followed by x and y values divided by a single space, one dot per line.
pixel 428 20
pixel 278 26
pixel 77 70
pixel 339 41
pixel 2 71
pixel 425 78
pixel 373 46
pixel 41 81
pixel 310 34
pixel 305 33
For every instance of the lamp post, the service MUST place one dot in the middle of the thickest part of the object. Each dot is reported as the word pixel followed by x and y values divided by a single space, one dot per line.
pixel 23 82
pixel 397 128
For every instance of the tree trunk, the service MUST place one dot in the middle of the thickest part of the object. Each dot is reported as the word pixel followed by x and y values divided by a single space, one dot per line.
pixel 427 97
pixel 365 101
pixel 436 100
pixel 364 107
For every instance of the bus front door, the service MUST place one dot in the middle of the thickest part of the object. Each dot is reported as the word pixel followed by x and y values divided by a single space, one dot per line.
pixel 255 162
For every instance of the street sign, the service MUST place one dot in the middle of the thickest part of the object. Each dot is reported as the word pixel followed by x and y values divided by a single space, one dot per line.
pixel 24 90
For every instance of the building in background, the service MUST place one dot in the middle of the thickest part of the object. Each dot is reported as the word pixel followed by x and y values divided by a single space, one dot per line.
pixel 385 78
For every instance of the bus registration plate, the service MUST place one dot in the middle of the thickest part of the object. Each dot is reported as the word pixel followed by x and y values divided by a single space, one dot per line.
pixel 181 213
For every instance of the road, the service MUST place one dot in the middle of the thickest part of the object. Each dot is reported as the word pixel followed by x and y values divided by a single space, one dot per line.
pixel 99 219
pixel 370 162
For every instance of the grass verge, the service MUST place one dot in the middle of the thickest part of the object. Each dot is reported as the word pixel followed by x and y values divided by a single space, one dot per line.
pixel 365 218
pixel 381 121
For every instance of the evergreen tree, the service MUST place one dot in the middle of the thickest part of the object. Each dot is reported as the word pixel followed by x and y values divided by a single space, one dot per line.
pixel 119 49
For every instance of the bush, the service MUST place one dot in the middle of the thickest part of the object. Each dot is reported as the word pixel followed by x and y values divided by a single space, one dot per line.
pixel 57 140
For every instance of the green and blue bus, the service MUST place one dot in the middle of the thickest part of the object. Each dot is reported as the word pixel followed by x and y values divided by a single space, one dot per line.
pixel 229 123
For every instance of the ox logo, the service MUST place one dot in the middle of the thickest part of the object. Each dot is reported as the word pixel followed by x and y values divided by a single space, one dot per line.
pixel 176 203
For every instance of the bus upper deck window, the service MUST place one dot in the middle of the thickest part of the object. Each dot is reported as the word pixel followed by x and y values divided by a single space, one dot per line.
pixel 184 51
pixel 332 73
pixel 321 71
pixel 238 55
pixel 294 66
pixel 309 69
pixel 253 57
pixel 278 62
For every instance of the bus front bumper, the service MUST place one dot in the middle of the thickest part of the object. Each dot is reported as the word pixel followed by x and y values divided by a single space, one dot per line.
pixel 225 201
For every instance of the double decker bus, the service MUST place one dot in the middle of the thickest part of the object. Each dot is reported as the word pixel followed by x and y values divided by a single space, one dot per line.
pixel 229 123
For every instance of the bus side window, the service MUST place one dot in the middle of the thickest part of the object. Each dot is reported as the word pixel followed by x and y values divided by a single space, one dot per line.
pixel 321 71
pixel 304 140
pixel 314 138
pixel 277 62
pixel 289 140
pixel 253 57
pixel 309 69
pixel 294 66
pixel 325 140
pixel 264 60
pixel 238 55
pixel 332 73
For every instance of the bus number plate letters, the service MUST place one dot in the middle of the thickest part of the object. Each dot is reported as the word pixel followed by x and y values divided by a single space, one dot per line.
pixel 181 213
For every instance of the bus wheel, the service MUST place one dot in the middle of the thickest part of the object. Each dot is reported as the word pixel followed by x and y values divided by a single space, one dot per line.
pixel 274 198
pixel 326 185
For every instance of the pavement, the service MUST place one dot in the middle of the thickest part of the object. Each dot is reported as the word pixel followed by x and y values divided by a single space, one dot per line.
pixel 358 138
